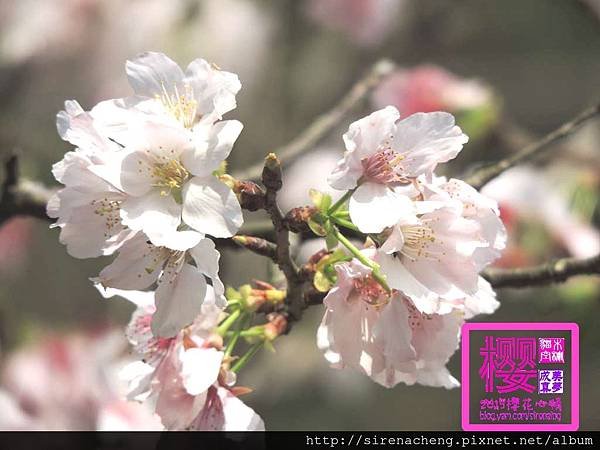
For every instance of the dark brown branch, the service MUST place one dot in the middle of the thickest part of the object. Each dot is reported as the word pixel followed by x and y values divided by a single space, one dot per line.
pixel 552 272
pixel 21 197
pixel 485 174
pixel 326 122
pixel 257 245
pixel 271 178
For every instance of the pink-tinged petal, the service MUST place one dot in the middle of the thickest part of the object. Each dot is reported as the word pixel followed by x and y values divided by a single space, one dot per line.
pixel 138 376
pixel 482 302
pixel 398 277
pixel 213 89
pixel 394 242
pixel 212 147
pixel 136 267
pixel 199 368
pixel 426 139
pixel 374 207
pixel 365 136
pixel 176 408
pixel 153 213
pixel 178 301
pixel 238 416
pixel 152 73
pixel 211 207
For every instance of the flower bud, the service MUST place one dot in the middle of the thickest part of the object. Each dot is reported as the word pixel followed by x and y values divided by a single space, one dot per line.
pixel 276 326
pixel 271 175
pixel 250 195
pixel 297 218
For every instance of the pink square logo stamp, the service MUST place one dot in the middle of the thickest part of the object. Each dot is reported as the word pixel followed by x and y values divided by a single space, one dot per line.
pixel 520 376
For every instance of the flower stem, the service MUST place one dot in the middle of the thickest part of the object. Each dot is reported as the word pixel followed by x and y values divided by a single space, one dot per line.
pixel 239 365
pixel 337 205
pixel 228 322
pixel 236 335
pixel 344 223
pixel 363 259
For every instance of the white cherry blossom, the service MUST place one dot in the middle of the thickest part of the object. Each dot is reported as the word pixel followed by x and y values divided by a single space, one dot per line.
pixel 182 286
pixel 88 208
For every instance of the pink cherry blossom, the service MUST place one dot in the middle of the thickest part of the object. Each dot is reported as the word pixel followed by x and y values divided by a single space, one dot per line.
pixel 383 156
pixel 185 376
pixel 384 335
pixel 66 382
pixel 367 22
pixel 430 88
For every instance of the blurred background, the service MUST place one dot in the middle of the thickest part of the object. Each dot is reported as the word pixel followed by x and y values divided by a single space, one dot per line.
pixel 510 70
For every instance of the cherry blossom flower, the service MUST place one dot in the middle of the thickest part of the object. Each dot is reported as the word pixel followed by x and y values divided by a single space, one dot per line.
pixel 435 257
pixel 429 88
pixel 186 375
pixel 173 143
pixel 384 335
pixel 182 287
pixel 88 208
pixel 383 156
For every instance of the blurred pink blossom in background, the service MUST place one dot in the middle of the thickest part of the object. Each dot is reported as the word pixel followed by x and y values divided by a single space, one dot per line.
pixel 69 382
pixel 430 88
pixel 367 22
pixel 15 238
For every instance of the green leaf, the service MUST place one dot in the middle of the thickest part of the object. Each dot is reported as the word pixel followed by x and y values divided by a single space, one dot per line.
pixel 331 241
pixel 320 200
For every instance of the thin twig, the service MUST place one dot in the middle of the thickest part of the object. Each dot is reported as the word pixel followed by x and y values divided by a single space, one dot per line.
pixel 21 197
pixel 556 271
pixel 485 174
pixel 326 122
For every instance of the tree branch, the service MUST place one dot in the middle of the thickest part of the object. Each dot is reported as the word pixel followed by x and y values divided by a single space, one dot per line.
pixel 485 174
pixel 326 122
pixel 552 272
pixel 21 197
pixel 271 178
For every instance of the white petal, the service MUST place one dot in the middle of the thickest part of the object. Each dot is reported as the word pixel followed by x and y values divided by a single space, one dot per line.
pixel 200 368
pixel 214 89
pixel 374 207
pixel 207 258
pixel 141 299
pixel 149 73
pixel 211 207
pixel 426 139
pixel 482 302
pixel 176 240
pixel 178 301
pixel 153 213
pixel 138 374
pixel 136 267
pixel 206 157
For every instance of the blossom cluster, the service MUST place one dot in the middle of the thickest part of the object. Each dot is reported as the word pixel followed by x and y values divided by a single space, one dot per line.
pixel 396 309
pixel 143 183
pixel 147 183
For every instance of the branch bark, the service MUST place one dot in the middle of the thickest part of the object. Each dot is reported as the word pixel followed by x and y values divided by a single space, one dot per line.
pixel 21 197
pixel 271 178
pixel 486 174
pixel 326 122
pixel 556 271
